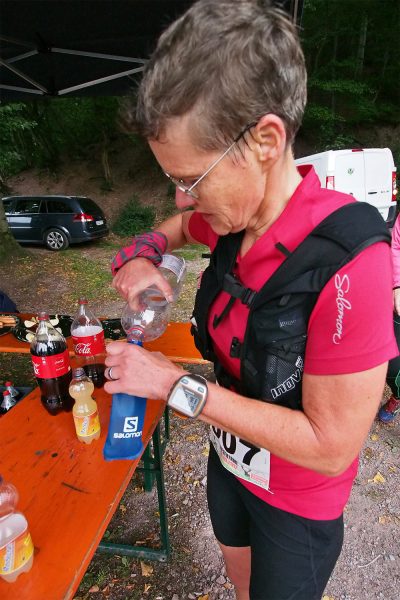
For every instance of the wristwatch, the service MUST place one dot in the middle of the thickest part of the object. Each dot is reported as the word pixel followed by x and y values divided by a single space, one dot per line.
pixel 188 395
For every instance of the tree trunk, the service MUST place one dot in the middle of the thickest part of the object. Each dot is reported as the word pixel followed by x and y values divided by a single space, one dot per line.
pixel 333 73
pixel 9 247
pixel 105 162
pixel 361 46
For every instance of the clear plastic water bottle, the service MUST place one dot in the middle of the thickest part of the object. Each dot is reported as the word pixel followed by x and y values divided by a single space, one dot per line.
pixel 16 547
pixel 146 323
pixel 149 320
pixel 173 269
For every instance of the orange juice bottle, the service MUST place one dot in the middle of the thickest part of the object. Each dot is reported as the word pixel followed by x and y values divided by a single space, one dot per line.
pixel 86 416
pixel 16 547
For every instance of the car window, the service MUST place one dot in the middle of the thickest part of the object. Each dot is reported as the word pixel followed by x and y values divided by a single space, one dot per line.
pixel 27 205
pixel 55 205
pixel 88 206
pixel 7 205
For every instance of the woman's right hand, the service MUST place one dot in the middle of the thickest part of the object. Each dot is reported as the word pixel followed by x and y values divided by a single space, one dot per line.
pixel 396 301
pixel 137 275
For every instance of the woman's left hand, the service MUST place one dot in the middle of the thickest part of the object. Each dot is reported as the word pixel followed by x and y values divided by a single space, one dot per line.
pixel 138 372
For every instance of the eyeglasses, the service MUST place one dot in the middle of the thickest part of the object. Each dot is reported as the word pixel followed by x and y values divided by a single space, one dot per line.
pixel 188 190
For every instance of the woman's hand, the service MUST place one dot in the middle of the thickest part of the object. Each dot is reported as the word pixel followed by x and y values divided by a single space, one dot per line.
pixel 396 301
pixel 137 275
pixel 138 372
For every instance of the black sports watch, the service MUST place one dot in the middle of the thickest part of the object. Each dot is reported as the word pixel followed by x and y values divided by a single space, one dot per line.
pixel 188 395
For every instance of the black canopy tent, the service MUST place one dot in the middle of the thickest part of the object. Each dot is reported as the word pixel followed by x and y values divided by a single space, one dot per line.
pixel 78 47
pixel 82 47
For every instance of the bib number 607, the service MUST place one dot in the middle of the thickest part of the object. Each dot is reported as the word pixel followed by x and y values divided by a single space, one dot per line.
pixel 230 444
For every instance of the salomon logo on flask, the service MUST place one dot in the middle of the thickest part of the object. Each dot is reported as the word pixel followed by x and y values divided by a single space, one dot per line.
pixel 130 429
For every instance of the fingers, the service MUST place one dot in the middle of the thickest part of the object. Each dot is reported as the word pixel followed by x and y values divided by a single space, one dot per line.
pixel 165 288
pixel 115 349
pixel 111 373
pixel 137 275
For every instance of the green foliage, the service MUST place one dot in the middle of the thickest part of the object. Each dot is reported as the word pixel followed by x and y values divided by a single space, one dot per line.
pixel 353 61
pixel 13 127
pixel 134 218
pixel 41 132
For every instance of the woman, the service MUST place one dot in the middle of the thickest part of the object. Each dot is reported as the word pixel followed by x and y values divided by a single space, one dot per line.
pixel 391 408
pixel 220 103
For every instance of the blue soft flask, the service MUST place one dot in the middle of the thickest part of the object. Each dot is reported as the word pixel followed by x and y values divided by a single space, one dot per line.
pixel 148 322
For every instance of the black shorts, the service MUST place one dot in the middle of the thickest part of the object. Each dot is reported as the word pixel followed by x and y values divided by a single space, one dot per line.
pixel 291 557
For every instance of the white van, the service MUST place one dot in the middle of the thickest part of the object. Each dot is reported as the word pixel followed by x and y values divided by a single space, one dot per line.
pixel 368 174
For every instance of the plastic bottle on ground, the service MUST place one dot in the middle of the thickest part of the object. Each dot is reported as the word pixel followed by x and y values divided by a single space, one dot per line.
pixel 85 413
pixel 16 546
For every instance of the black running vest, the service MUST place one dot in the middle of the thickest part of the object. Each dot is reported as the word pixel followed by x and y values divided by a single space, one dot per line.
pixel 272 352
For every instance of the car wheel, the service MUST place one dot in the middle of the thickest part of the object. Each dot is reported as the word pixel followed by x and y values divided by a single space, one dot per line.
pixel 55 239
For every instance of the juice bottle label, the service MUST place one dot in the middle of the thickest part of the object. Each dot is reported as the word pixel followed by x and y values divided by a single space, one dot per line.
pixel 15 554
pixel 89 345
pixel 88 425
pixel 50 367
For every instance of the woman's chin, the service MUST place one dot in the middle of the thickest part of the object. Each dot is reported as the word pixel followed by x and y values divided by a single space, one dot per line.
pixel 216 225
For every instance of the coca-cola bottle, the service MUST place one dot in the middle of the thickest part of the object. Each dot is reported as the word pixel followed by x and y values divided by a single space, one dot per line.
pixel 89 346
pixel 51 364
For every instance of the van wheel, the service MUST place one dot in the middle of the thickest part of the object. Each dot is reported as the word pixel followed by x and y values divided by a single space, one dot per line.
pixel 55 239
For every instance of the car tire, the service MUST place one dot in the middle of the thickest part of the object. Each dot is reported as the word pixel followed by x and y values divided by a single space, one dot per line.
pixel 55 239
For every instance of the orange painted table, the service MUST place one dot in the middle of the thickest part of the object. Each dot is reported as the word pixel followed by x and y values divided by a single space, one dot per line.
pixel 68 492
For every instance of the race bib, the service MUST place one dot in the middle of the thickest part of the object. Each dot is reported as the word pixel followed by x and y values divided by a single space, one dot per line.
pixel 241 458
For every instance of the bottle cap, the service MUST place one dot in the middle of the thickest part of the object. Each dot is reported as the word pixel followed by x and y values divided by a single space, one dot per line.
pixel 78 372
pixel 43 316
pixel 82 301
pixel 7 383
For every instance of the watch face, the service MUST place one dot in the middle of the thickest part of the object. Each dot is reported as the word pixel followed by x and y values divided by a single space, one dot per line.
pixel 188 396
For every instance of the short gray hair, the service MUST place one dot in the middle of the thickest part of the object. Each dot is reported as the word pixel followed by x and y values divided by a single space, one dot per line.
pixel 227 62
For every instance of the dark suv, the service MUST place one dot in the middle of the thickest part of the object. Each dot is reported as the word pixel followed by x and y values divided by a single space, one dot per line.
pixel 56 221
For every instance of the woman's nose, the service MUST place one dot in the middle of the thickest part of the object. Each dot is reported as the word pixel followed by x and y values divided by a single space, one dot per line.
pixel 183 200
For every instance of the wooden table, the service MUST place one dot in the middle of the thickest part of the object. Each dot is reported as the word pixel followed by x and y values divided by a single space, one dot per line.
pixel 68 492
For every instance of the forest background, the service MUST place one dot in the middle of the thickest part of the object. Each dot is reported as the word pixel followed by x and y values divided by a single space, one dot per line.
pixel 352 50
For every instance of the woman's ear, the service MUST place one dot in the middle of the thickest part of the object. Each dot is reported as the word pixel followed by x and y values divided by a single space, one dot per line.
pixel 270 137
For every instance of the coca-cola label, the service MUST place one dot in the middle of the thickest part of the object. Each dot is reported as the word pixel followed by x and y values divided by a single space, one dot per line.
pixel 50 367
pixel 89 345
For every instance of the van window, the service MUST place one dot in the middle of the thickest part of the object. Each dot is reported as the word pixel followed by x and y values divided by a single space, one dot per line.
pixel 27 205
pixel 55 205
pixel 7 205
